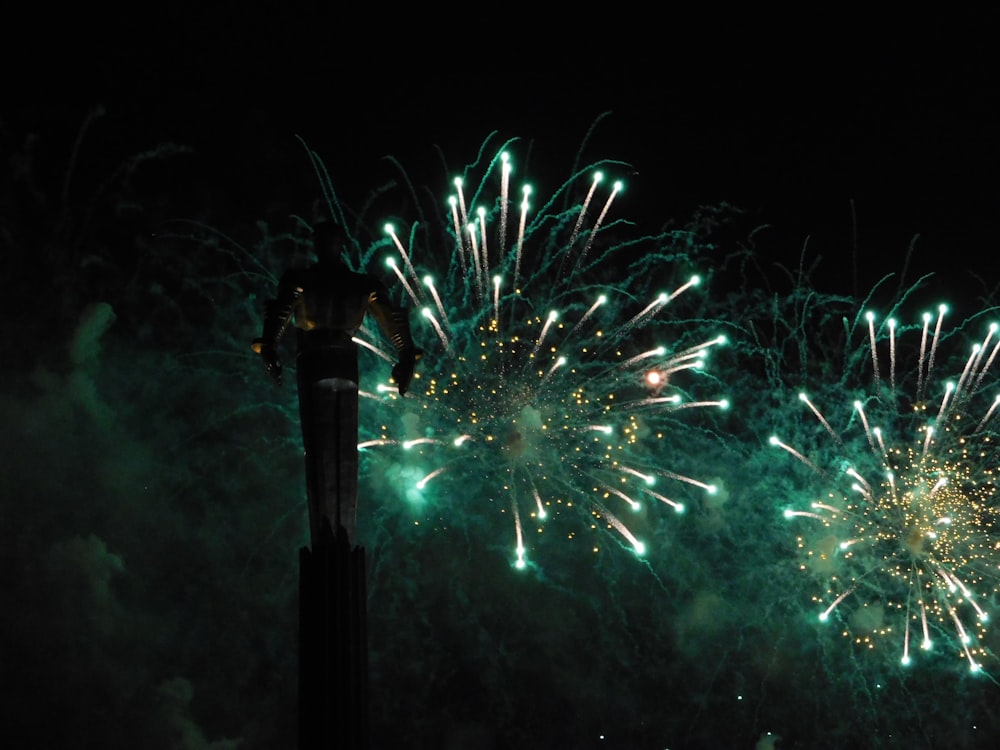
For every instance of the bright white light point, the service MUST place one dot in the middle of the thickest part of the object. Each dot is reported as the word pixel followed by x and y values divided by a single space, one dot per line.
pixel 640 548
pixel 553 315
pixel 724 403
pixel 428 281
pixel 823 617
pixel 869 316
pixel 481 211
pixel 680 508
pixel 803 397
pixel 458 182
pixel 789 513
pixel 452 201
pixel 653 377
pixel 905 661
pixel 426 312
pixel 389 229
pixel 496 281
pixel 560 362
pixel 391 262
pixel 602 299
pixel 526 190
pixel 520 564
pixel 773 440
pixel 663 297
pixel 695 280
pixel 711 489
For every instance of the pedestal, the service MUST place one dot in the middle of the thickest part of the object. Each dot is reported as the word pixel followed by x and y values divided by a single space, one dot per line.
pixel 333 645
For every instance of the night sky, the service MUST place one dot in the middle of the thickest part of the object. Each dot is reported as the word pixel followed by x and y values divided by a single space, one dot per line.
pixel 151 529
pixel 868 132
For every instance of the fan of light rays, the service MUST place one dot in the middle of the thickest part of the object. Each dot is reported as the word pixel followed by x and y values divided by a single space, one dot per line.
pixel 904 536
pixel 557 380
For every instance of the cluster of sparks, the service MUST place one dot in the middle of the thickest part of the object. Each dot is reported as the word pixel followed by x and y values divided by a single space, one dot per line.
pixel 542 390
pixel 909 549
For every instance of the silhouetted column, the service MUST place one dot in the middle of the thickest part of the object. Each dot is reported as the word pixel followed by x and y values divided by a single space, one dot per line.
pixel 333 645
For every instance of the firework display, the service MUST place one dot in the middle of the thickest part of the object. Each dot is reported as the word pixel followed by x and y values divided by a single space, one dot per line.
pixel 905 535
pixel 557 377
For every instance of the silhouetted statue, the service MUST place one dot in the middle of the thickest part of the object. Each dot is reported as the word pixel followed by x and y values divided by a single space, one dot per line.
pixel 327 302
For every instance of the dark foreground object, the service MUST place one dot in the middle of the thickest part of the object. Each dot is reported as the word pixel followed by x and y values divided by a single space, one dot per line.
pixel 333 646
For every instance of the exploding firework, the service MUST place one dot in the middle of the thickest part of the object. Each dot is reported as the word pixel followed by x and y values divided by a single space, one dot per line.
pixel 555 378
pixel 906 537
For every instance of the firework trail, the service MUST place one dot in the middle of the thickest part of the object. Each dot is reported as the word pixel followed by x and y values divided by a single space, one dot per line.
pixel 906 538
pixel 553 382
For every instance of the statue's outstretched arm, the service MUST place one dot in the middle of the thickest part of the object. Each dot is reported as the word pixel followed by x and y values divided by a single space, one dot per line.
pixel 277 317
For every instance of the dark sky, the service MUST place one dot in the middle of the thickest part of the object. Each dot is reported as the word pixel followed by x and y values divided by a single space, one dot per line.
pixel 794 119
